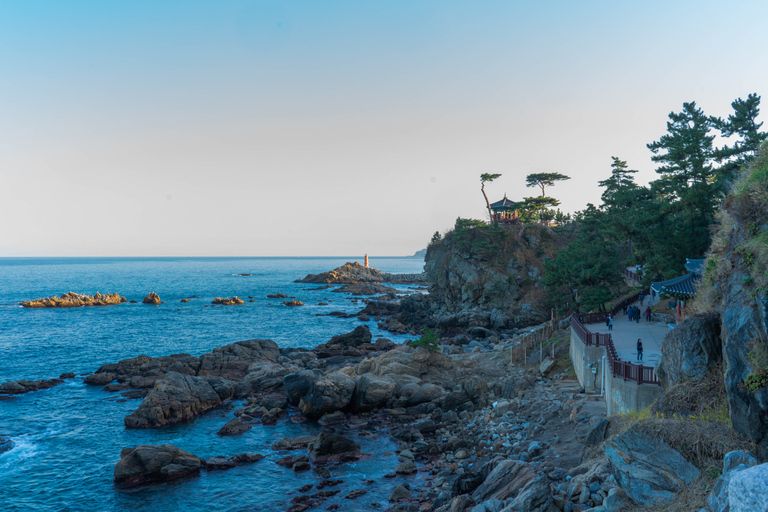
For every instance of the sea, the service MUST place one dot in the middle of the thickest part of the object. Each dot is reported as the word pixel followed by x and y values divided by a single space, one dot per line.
pixel 66 440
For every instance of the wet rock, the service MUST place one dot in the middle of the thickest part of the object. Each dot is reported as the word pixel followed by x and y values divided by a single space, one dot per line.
pixel 18 387
pixel 293 303
pixel 277 296
pixel 406 468
pixel 174 398
pixel 366 289
pixel 647 468
pixel 332 418
pixel 293 443
pixel 219 463
pixel 332 448
pixel 361 334
pixel 152 298
pixel 400 493
pixel 154 463
pixel 234 427
pixel 355 493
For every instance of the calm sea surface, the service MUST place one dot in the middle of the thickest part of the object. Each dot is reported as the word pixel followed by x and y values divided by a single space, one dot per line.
pixel 67 439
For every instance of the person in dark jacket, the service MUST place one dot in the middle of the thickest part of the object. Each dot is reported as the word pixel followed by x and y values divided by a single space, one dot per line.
pixel 648 314
pixel 639 350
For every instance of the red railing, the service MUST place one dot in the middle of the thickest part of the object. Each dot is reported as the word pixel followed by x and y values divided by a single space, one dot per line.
pixel 622 369
pixel 631 275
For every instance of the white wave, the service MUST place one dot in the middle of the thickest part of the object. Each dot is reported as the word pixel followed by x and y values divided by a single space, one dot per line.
pixel 23 447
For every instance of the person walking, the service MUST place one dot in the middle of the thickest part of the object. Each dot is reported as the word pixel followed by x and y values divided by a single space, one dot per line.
pixel 641 297
pixel 610 323
pixel 648 314
pixel 653 295
pixel 639 350
pixel 608 320
pixel 637 315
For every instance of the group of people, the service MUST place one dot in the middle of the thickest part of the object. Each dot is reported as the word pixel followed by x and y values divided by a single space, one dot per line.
pixel 633 313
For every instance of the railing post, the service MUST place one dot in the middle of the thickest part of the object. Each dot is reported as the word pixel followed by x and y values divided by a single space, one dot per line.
pixel 640 374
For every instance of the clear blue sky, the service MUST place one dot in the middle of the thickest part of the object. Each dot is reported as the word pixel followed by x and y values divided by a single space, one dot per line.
pixel 334 128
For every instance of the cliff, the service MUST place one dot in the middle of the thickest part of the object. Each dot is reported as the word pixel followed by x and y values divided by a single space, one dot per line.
pixel 481 275
pixel 735 284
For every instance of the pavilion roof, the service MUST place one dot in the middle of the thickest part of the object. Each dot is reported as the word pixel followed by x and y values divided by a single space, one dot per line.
pixel 504 204
pixel 683 285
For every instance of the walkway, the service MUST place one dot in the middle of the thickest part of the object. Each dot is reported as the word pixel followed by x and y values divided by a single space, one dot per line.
pixel 626 333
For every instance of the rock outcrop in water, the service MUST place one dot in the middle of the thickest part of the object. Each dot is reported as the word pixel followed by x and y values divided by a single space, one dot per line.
pixel 234 301
pixel 176 398
pixel 18 387
pixel 350 272
pixel 152 298
pixel 75 300
pixel 145 464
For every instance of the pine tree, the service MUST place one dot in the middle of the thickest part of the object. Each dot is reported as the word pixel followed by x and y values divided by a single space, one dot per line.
pixel 743 124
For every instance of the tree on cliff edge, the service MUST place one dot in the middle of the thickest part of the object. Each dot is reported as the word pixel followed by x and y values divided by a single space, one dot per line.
pixel 486 177
pixel 544 179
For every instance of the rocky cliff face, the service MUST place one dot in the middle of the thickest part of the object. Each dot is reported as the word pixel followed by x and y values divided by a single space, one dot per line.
pixel 735 285
pixel 482 276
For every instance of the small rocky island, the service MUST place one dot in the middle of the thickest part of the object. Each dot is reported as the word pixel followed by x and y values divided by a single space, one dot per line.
pixel 75 300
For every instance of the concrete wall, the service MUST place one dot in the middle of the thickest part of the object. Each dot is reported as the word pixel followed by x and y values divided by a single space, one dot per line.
pixel 624 396
pixel 585 358
pixel 620 396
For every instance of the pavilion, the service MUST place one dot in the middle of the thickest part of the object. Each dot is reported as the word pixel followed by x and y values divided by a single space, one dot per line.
pixel 504 211
pixel 682 288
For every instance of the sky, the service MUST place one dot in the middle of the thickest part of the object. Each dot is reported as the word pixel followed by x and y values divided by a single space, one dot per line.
pixel 335 128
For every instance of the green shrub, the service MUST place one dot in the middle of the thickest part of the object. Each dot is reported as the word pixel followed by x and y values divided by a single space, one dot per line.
pixel 428 340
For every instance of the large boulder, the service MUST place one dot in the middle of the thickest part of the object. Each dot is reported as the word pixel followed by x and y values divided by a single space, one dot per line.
pixel 233 361
pixel 690 349
pixel 327 394
pixel 371 392
pixel 332 448
pixel 506 480
pixel 297 384
pixel 154 463
pixel 361 334
pixel 173 399
pixel 648 469
pixel 536 496
pixel 747 489
pixel 261 377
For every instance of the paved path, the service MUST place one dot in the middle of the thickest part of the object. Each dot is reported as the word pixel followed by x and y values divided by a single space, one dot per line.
pixel 625 334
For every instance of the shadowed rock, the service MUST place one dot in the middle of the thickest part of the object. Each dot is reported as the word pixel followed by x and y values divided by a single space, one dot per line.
pixel 176 398
pixel 332 448
pixel 154 463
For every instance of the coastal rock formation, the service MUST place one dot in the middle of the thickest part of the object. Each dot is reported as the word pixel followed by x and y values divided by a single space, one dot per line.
pixel 5 444
pixel 227 301
pixel 176 398
pixel 332 448
pixel 365 289
pixel 293 303
pixel 277 296
pixel 649 470
pixel 75 300
pixel 234 427
pixel 690 349
pixel 18 387
pixel 328 394
pixel 372 392
pixel 152 298
pixel 154 463
pixel 297 384
pixel 735 282
pixel 350 272
pixel 232 361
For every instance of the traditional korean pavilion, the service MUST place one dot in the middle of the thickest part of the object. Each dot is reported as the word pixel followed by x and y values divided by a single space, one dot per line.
pixel 683 287
pixel 504 211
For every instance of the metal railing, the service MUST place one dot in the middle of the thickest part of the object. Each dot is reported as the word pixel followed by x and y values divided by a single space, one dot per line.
pixel 621 369
pixel 527 343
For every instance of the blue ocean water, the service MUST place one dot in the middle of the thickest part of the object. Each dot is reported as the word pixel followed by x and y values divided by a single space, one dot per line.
pixel 67 439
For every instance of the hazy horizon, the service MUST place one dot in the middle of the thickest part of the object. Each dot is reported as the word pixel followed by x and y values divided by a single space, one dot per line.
pixel 206 129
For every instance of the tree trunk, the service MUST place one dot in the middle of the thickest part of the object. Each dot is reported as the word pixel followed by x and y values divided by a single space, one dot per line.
pixel 487 203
